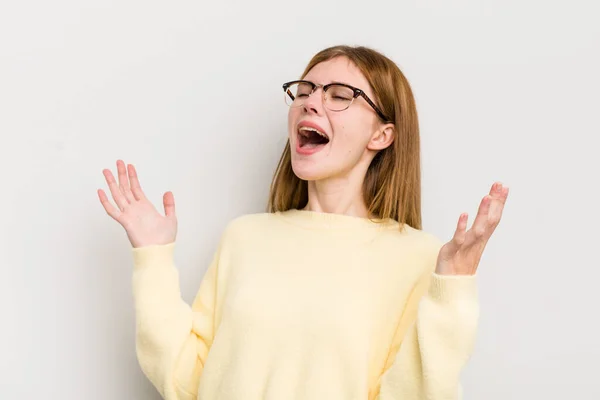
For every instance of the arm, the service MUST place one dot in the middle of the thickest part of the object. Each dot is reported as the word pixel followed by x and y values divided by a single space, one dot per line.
pixel 441 320
pixel 441 328
pixel 172 338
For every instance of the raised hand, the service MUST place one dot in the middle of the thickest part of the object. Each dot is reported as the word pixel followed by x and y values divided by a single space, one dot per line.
pixel 144 225
pixel 461 255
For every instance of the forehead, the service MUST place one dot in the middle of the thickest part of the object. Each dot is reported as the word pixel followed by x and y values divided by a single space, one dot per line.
pixel 339 69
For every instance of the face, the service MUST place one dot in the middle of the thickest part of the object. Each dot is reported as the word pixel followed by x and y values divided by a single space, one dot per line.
pixel 352 137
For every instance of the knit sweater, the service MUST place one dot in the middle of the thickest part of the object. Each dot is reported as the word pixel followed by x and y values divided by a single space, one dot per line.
pixel 301 305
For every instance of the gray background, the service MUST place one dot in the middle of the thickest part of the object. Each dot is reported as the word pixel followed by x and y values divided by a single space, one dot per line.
pixel 190 92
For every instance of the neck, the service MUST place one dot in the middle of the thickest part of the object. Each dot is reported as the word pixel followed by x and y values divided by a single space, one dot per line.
pixel 342 195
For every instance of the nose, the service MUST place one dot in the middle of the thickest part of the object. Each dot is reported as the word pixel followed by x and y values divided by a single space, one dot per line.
pixel 314 103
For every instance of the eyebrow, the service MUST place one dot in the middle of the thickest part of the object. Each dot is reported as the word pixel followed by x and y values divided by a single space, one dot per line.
pixel 341 83
pixel 332 82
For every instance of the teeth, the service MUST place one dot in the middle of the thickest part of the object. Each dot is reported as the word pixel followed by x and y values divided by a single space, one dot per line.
pixel 306 128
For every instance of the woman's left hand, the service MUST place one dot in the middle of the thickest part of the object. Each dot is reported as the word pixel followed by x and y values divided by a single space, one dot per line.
pixel 461 255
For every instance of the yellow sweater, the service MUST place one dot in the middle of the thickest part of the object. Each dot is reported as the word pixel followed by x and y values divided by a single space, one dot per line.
pixel 303 305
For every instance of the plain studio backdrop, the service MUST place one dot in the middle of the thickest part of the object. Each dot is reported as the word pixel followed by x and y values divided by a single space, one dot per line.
pixel 190 92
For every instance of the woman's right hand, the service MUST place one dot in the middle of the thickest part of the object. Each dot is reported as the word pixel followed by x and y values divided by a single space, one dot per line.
pixel 144 225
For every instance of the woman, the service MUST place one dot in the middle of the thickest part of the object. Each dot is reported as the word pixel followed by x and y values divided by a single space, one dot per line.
pixel 336 292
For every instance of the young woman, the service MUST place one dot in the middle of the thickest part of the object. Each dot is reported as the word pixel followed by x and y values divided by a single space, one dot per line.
pixel 336 292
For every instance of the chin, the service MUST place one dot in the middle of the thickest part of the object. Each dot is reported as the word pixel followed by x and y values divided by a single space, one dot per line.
pixel 309 171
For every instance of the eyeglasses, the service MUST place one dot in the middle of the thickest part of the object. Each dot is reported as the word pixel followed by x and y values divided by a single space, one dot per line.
pixel 336 96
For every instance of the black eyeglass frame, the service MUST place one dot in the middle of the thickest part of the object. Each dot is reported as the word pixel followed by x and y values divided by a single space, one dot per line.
pixel 357 92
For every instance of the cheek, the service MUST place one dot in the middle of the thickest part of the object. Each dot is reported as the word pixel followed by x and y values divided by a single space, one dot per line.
pixel 352 136
pixel 293 114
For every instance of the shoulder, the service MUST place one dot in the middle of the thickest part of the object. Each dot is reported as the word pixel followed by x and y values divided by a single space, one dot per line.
pixel 419 246
pixel 250 220
pixel 415 239
pixel 424 240
pixel 249 224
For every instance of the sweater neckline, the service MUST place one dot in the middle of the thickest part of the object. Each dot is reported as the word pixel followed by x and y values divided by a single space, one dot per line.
pixel 331 221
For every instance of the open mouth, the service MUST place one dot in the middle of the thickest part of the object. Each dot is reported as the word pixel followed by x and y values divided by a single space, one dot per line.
pixel 310 137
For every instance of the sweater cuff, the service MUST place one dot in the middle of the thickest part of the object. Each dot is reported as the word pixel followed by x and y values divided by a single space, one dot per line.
pixel 155 256
pixel 449 288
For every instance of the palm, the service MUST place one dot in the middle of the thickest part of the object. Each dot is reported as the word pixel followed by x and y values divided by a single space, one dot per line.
pixel 144 225
pixel 461 255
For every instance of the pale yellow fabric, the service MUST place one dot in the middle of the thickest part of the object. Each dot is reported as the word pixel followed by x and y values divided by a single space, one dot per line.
pixel 305 305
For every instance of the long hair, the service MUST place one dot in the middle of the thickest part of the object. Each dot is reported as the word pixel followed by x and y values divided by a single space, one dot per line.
pixel 392 185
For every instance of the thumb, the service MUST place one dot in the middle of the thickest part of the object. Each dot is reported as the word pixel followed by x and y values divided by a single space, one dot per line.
pixel 169 204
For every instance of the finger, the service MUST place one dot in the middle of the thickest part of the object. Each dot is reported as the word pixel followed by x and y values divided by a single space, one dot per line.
pixel 134 182
pixel 497 207
pixel 169 204
pixel 108 207
pixel 480 224
pixel 450 249
pixel 499 192
pixel 124 181
pixel 117 196
pixel 461 231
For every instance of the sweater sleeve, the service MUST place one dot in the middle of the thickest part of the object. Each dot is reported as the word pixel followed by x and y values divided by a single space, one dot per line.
pixel 172 338
pixel 442 314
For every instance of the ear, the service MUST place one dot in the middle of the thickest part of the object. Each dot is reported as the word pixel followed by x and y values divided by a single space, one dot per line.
pixel 382 138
